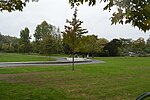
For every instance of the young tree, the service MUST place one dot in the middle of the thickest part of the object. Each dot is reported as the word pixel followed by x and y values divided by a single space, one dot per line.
pixel 72 34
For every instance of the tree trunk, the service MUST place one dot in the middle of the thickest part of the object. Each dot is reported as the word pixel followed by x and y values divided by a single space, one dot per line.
pixel 73 55
pixel 73 61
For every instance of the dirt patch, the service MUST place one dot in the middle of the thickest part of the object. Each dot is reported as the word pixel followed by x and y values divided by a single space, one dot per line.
pixel 21 74
pixel 24 77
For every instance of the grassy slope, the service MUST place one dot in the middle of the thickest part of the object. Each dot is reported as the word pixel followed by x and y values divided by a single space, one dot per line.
pixel 22 57
pixel 120 78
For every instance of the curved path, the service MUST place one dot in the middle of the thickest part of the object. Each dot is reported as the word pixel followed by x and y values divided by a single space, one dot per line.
pixel 59 61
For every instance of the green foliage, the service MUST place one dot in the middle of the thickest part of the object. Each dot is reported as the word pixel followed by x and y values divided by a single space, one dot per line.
pixel 47 45
pixel 43 30
pixel 112 48
pixel 147 50
pixel 24 41
pixel 147 46
pixel 138 45
pixel 126 46
pixel 101 42
pixel 5 47
pixel 73 33
pixel 22 48
pixel 136 12
pixel 58 44
pixel 13 5
pixel 47 39
pixel 89 45
pixel 117 78
pixel 8 43
pixel 148 42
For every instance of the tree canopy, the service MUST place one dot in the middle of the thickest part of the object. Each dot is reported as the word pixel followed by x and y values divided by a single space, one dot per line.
pixel 13 5
pixel 136 12
pixel 47 38
pixel 24 41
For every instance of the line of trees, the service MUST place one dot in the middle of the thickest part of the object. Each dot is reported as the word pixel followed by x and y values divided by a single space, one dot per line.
pixel 48 40
pixel 94 46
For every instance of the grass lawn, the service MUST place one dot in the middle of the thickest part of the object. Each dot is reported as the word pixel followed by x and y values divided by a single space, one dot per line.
pixel 4 57
pixel 120 78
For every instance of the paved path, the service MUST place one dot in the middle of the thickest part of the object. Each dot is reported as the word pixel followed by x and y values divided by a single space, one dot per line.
pixel 59 61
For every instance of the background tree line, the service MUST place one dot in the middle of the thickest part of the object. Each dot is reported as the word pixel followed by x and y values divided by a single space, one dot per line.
pixel 49 40
pixel 8 43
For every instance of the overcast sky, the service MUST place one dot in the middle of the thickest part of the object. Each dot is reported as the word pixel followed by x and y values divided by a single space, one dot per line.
pixel 55 12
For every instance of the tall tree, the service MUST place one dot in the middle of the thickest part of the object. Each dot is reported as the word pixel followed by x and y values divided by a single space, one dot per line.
pixel 72 34
pixel 136 12
pixel 24 41
pixel 47 39
pixel 41 32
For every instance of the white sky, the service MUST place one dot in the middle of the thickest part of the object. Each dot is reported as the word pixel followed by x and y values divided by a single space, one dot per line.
pixel 55 12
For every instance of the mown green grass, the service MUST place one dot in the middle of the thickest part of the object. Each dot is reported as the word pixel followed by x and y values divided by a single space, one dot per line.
pixel 120 78
pixel 4 57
